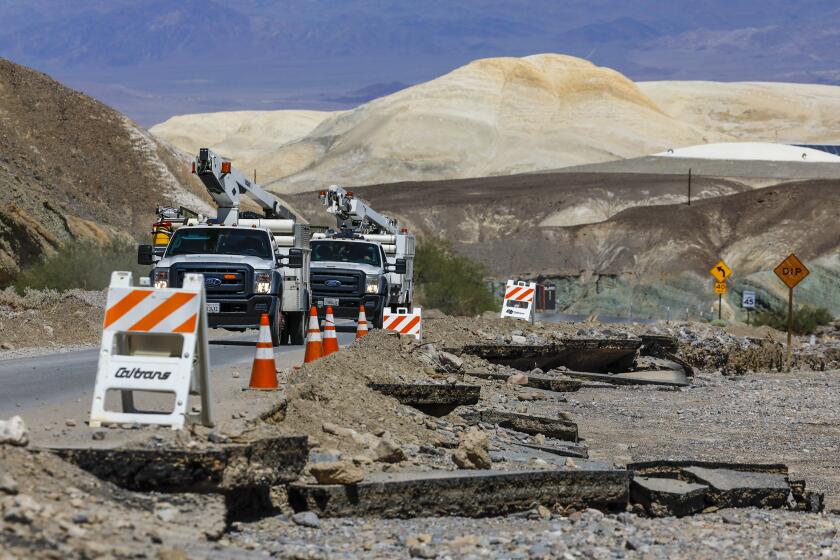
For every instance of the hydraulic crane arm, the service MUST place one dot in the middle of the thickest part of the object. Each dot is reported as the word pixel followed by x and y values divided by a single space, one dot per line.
pixel 353 213
pixel 226 185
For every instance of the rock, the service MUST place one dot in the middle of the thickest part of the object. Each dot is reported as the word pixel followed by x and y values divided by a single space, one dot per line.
pixel 216 437
pixel 13 431
pixel 543 512
pixel 362 460
pixel 450 362
pixel 70 423
pixel 419 546
pixel 472 451
pixel 518 379
pixel 166 514
pixel 81 517
pixel 517 339
pixel 24 510
pixel 307 519
pixel 386 451
pixel 171 554
pixel 665 497
pixel 8 484
pixel 337 472
pixel 99 436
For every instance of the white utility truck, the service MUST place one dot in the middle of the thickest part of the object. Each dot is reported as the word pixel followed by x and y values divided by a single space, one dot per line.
pixel 366 260
pixel 252 264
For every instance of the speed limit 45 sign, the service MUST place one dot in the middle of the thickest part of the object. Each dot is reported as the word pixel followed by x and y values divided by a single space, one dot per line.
pixel 748 300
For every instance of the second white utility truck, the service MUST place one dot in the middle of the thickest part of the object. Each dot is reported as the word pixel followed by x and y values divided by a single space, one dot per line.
pixel 366 260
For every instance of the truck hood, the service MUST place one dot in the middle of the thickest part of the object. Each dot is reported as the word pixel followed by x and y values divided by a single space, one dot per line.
pixel 254 262
pixel 366 268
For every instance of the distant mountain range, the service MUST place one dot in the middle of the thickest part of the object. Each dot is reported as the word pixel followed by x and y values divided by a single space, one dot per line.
pixel 163 57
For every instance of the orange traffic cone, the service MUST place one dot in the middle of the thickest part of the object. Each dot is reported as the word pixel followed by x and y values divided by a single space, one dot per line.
pixel 264 371
pixel 314 349
pixel 330 343
pixel 362 328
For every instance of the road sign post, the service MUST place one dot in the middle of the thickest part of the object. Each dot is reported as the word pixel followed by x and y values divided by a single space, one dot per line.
pixel 748 302
pixel 720 272
pixel 791 271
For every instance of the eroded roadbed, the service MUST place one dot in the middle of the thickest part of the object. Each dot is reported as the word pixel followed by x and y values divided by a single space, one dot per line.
pixel 465 493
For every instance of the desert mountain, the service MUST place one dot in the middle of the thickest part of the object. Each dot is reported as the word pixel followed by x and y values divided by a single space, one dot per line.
pixel 253 136
pixel 72 168
pixel 503 116
pixel 753 111
pixel 491 117
pixel 608 238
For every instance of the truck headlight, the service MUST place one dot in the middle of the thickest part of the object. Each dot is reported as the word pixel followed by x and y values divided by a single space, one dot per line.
pixel 262 282
pixel 161 278
pixel 372 284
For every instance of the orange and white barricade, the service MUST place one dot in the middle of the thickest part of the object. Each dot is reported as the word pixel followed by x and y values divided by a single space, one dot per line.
pixel 154 341
pixel 404 321
pixel 519 300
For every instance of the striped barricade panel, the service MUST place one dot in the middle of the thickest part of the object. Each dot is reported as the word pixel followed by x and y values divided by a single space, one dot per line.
pixel 150 338
pixel 404 321
pixel 519 300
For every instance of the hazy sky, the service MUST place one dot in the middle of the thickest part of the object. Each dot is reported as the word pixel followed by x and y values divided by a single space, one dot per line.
pixel 157 58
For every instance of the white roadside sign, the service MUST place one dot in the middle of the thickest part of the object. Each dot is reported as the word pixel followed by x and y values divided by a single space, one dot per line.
pixel 748 300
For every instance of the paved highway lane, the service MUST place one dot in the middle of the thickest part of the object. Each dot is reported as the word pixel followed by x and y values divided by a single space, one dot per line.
pixel 30 382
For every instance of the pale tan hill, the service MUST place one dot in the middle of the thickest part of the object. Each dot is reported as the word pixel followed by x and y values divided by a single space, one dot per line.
pixel 753 111
pixel 507 115
pixel 250 138
pixel 491 117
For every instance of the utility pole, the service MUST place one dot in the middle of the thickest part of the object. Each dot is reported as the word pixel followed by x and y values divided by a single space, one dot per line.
pixel 689 186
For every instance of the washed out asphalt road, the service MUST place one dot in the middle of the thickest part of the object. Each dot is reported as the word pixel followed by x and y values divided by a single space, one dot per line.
pixel 30 382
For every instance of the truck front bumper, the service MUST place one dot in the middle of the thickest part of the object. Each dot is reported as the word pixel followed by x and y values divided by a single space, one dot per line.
pixel 348 307
pixel 241 313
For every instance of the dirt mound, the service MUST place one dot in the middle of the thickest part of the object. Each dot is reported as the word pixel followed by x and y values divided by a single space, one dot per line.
pixel 48 318
pixel 72 168
pixel 60 511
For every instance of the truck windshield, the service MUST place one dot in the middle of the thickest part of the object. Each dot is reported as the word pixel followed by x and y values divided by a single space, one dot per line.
pixel 344 251
pixel 219 241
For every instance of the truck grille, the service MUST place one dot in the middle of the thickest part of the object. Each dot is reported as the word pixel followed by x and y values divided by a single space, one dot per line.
pixel 337 283
pixel 233 280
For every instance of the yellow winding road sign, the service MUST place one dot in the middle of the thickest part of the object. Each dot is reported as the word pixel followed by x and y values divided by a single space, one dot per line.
pixel 721 272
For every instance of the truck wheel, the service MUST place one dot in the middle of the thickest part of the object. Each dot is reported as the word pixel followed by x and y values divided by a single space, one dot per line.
pixel 379 319
pixel 276 327
pixel 297 328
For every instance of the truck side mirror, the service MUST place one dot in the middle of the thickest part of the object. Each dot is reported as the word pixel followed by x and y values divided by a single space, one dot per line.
pixel 145 254
pixel 399 267
pixel 294 260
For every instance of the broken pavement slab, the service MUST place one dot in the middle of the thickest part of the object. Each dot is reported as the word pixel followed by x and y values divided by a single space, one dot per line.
pixel 544 382
pixel 731 488
pixel 558 428
pixel 663 497
pixel 433 399
pixel 561 448
pixel 261 463
pixel 662 378
pixel 478 493
pixel 736 484
pixel 584 354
